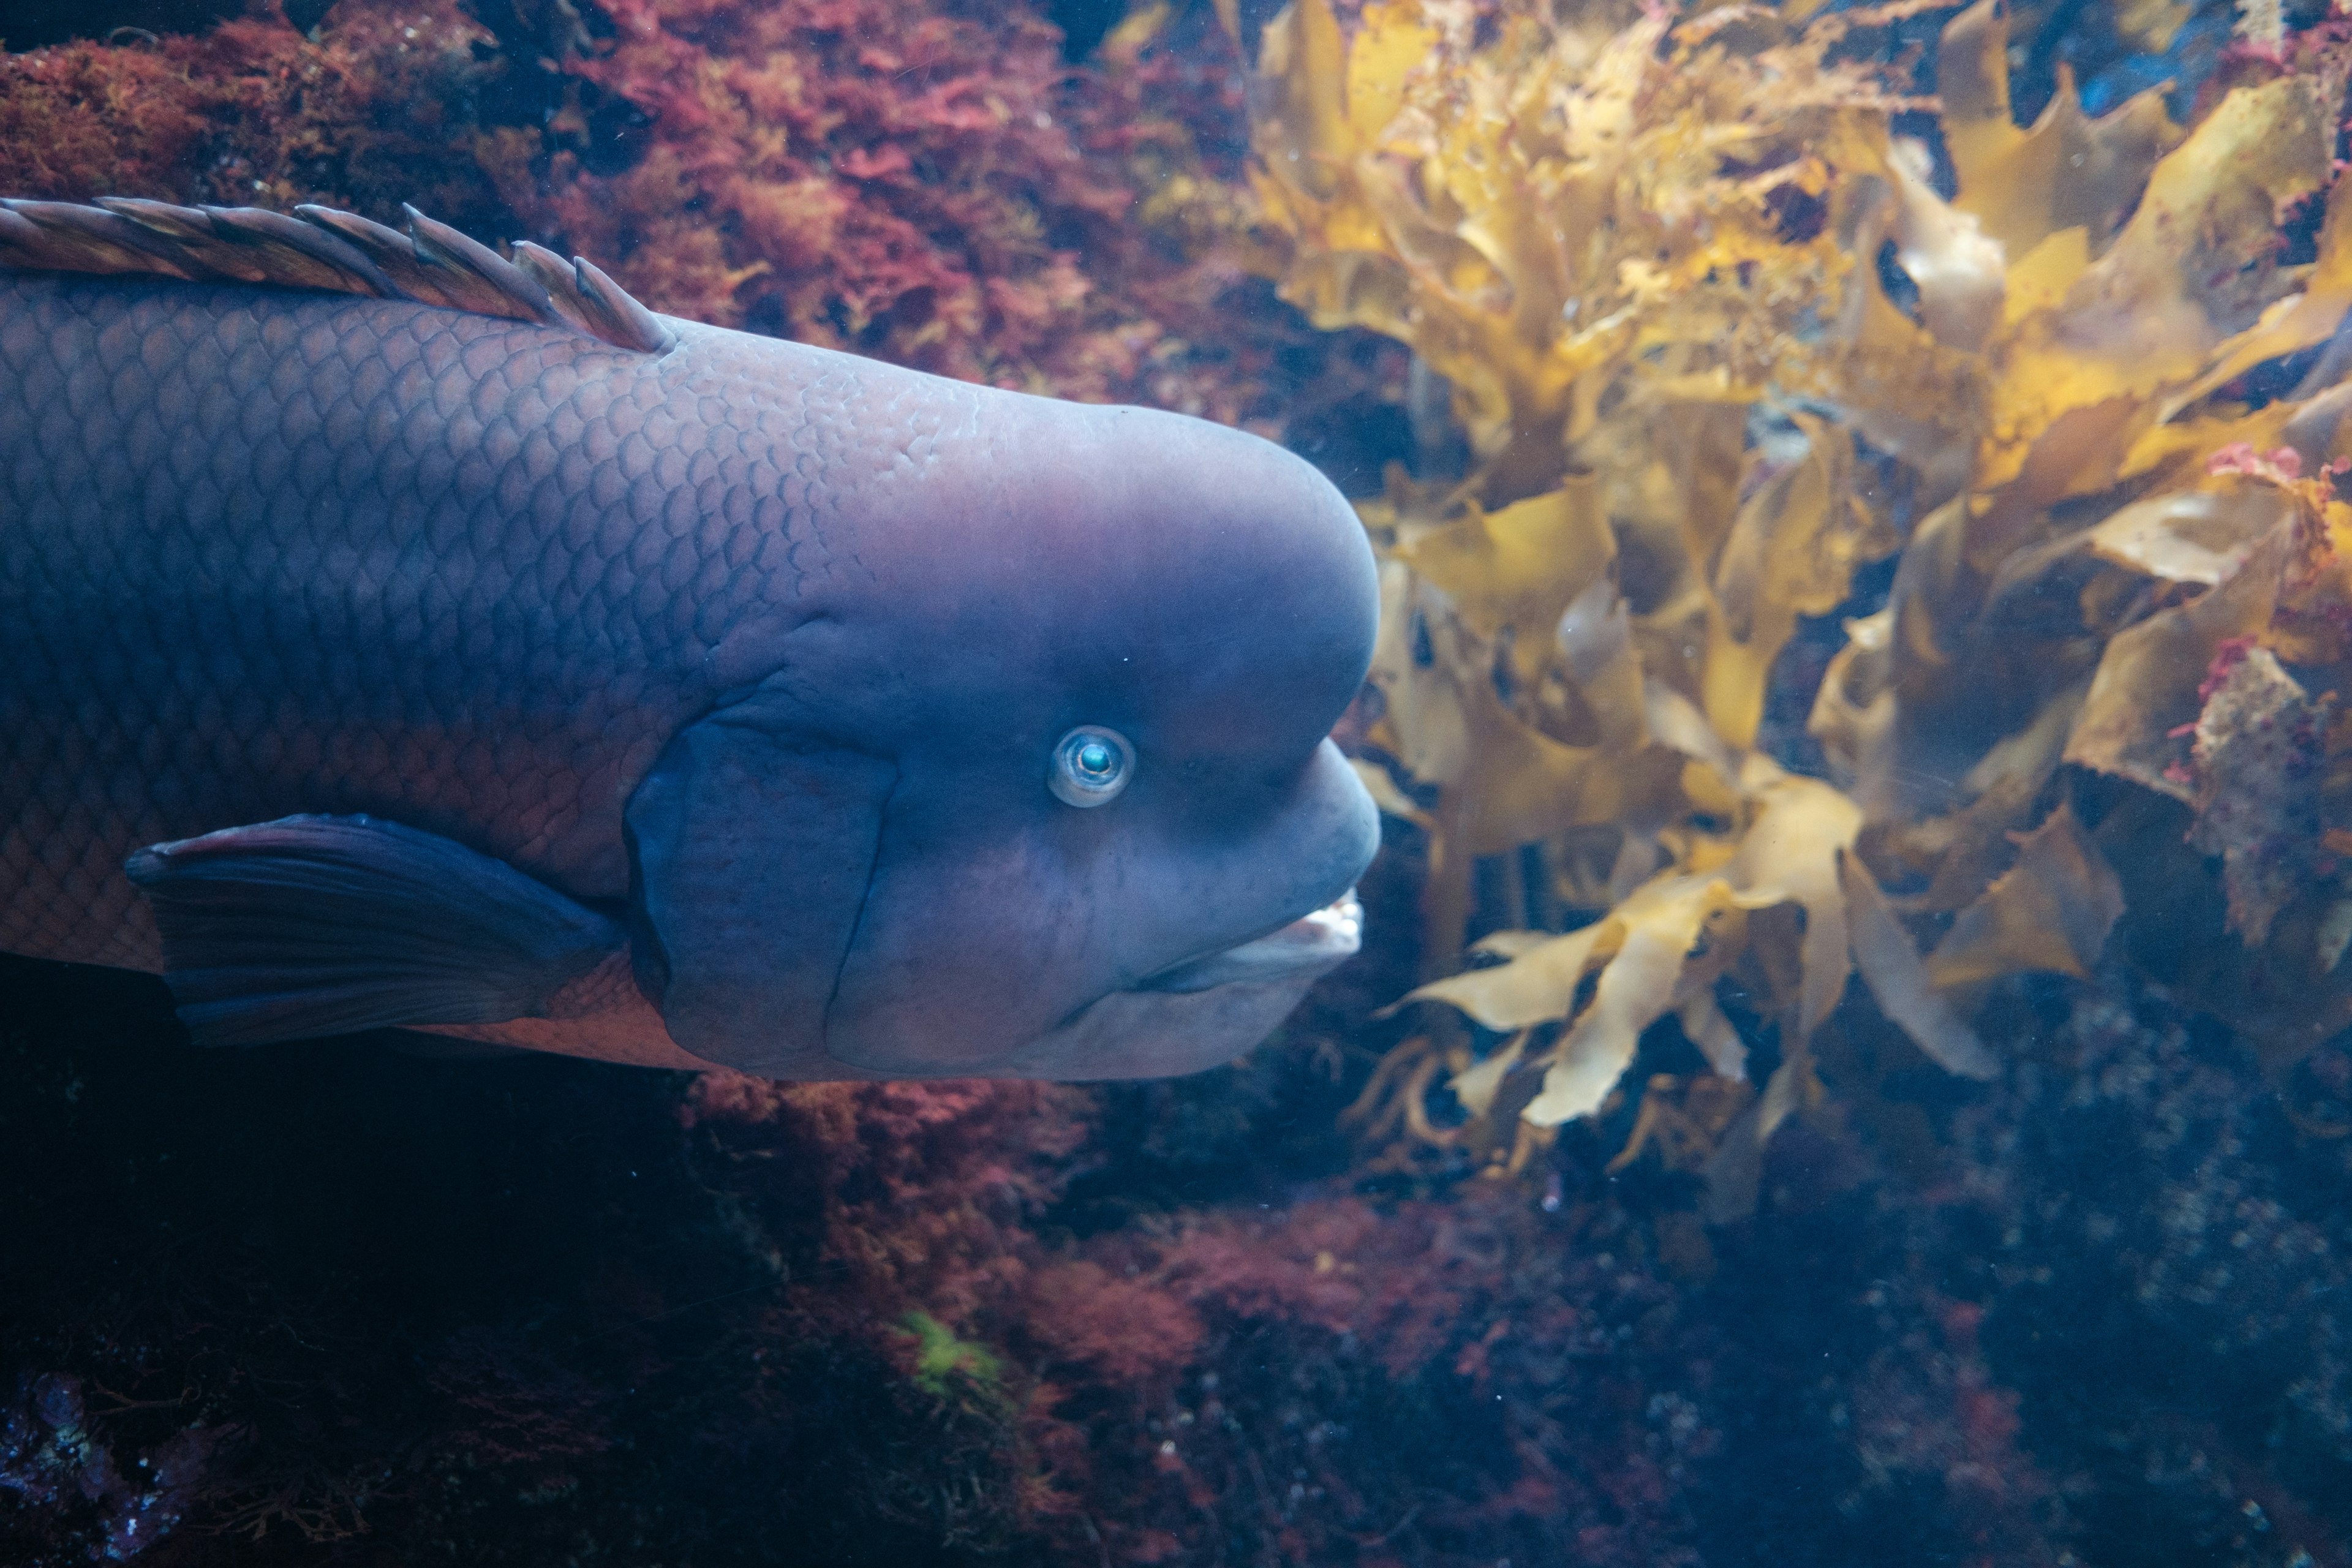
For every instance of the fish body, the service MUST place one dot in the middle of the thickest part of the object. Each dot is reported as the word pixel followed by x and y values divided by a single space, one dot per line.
pixel 643 689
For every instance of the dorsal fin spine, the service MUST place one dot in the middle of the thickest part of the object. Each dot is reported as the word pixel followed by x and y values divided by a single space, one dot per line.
pixel 621 317
pixel 411 276
pixel 255 247
pixel 83 239
pixel 463 253
pixel 547 270
pixel 590 300
pixel 329 251
pixel 186 233
pixel 326 257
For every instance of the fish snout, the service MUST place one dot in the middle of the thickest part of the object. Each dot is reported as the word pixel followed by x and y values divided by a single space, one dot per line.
pixel 1349 832
pixel 1205 1011
pixel 1318 941
pixel 1323 843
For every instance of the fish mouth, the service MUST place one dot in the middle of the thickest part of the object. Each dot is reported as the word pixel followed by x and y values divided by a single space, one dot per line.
pixel 1320 939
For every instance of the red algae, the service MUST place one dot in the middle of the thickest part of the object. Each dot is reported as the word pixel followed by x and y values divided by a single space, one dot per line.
pixel 1091 1324
pixel 1348 1383
pixel 900 179
pixel 865 174
pixel 897 177
pixel 535 1307
pixel 372 111
pixel 917 1195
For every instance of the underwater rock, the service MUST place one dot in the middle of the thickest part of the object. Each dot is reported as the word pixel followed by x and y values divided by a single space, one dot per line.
pixel 2182 1253
pixel 57 1471
pixel 383 105
pixel 2093 1307
pixel 2260 747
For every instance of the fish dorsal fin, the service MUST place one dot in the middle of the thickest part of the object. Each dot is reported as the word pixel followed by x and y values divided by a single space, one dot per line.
pixel 321 248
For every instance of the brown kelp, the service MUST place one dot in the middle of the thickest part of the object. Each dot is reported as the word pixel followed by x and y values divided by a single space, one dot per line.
pixel 1717 337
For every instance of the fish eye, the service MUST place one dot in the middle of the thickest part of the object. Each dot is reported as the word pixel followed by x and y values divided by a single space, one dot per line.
pixel 1091 765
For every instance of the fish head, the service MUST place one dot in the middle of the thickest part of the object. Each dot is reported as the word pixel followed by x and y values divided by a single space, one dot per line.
pixel 1103 665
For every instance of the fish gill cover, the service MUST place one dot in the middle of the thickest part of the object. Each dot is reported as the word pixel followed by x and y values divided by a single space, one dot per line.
pixel 1727 328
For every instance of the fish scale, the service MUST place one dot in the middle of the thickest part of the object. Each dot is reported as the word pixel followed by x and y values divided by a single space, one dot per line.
pixel 206 491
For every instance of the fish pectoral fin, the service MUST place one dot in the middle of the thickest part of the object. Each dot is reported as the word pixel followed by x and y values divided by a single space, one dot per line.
pixel 330 925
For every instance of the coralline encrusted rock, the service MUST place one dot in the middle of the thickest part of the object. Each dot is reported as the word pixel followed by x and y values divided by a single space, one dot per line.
pixel 906 178
pixel 379 105
pixel 2207 1212
pixel 2166 1252
pixel 58 1470
pixel 1336 1380
pixel 2259 750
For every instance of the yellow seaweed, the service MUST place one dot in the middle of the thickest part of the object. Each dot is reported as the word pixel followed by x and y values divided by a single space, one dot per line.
pixel 1643 247
pixel 2050 911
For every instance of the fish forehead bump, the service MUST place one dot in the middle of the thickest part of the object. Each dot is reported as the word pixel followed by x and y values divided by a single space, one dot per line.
pixel 962 504
pixel 1044 541
pixel 1136 491
pixel 1253 570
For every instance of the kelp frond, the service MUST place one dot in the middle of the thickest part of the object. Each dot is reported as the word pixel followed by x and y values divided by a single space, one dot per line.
pixel 1717 340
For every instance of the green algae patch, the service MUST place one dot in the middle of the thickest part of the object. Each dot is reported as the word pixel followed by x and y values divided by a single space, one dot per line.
pixel 947 1367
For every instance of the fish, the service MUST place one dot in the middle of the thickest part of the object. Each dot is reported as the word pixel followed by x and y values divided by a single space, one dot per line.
pixel 396 635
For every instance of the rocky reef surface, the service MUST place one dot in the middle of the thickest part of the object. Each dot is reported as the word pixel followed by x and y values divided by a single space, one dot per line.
pixel 335 1304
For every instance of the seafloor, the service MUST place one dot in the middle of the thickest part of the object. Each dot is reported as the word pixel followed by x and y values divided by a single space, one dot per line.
pixel 336 1303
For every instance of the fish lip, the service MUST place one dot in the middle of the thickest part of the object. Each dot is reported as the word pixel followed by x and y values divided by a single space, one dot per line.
pixel 1320 938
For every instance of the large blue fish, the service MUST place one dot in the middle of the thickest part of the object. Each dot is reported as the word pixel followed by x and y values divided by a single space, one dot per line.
pixel 393 635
